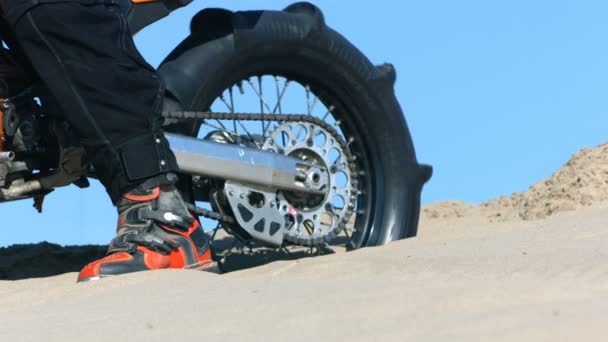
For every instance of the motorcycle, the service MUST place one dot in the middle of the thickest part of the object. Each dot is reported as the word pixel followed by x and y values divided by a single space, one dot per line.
pixel 336 164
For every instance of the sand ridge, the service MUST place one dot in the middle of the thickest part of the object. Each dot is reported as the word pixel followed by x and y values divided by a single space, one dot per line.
pixel 581 182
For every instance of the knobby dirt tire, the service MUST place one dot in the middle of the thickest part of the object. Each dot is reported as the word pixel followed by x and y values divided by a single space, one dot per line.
pixel 225 47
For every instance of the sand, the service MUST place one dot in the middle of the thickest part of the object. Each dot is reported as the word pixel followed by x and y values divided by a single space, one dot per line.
pixel 581 182
pixel 536 272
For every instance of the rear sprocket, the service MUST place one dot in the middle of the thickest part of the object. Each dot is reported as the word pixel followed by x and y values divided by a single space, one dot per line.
pixel 316 219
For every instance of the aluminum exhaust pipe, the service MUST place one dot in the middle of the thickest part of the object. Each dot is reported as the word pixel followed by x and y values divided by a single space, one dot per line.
pixel 241 164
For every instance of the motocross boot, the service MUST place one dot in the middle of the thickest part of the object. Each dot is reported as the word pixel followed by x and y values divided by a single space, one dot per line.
pixel 155 231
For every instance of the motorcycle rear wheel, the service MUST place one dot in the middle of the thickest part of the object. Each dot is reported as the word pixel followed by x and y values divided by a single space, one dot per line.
pixel 226 48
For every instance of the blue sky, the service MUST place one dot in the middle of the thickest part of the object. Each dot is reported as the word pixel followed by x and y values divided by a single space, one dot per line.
pixel 497 94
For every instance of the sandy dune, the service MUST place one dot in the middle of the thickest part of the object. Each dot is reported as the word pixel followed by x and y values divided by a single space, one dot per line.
pixel 581 182
pixel 460 280
pixel 529 267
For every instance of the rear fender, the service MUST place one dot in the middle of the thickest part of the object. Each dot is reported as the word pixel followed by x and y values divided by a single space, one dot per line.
pixel 181 75
pixel 182 69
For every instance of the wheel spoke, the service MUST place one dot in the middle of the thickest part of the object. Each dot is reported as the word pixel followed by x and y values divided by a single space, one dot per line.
pixel 351 140
pixel 280 94
pixel 310 106
pixel 246 130
pixel 329 111
pixel 223 99
pixel 236 131
pixel 219 122
pixel 314 103
pixel 262 99
pixel 223 128
pixel 262 107
pixel 230 108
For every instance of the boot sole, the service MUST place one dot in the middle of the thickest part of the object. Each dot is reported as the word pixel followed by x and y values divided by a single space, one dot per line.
pixel 206 266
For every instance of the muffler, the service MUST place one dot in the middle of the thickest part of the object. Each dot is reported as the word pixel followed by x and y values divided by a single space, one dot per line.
pixel 244 164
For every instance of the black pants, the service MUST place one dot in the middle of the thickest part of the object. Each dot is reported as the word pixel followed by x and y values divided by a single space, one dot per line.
pixel 83 51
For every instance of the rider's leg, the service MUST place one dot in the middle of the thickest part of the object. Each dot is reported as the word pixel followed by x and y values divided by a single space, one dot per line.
pixel 105 89
pixel 112 97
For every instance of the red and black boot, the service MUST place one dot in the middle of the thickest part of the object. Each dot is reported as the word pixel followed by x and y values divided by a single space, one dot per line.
pixel 155 231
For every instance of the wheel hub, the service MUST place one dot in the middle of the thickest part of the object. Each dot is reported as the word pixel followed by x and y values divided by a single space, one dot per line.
pixel 307 202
